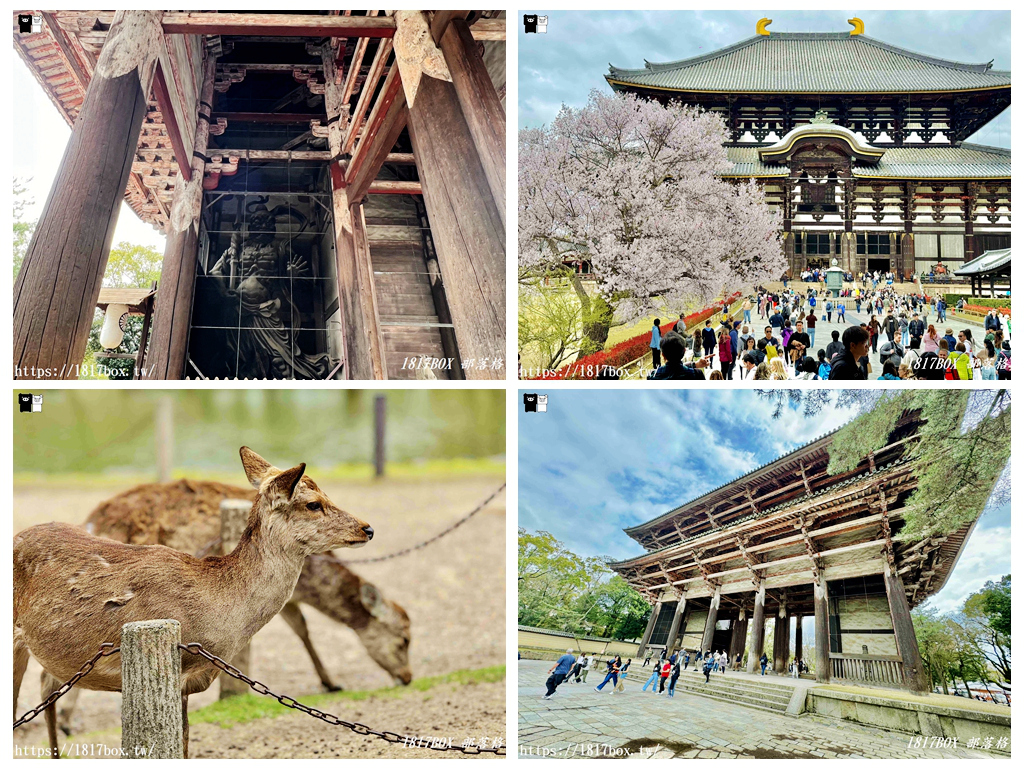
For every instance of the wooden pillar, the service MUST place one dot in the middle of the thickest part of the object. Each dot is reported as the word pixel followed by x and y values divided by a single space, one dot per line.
pixel 677 619
pixel 468 229
pixel 823 669
pixel 650 628
pixel 363 339
pixel 757 636
pixel 709 626
pixel 56 291
pixel 739 640
pixel 151 710
pixel 481 106
pixel 799 652
pixel 915 677
pixel 781 649
pixel 173 311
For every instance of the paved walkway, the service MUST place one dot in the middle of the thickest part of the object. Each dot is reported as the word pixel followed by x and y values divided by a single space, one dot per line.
pixel 580 722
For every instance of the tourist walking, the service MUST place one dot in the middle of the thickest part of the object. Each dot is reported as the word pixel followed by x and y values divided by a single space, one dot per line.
pixel 686 660
pixel 707 335
pixel 581 668
pixel 764 663
pixel 613 674
pixel 811 321
pixel 855 346
pixel 675 677
pixel 725 354
pixel 623 673
pixel 653 679
pixel 709 662
pixel 559 672
pixel 666 670
pixel 647 659
pixel 656 342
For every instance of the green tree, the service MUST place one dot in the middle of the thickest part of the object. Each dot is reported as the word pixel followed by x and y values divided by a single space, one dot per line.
pixel 550 324
pixel 23 228
pixel 556 586
pixel 129 266
pixel 968 662
pixel 962 450
pixel 987 616
pixel 935 642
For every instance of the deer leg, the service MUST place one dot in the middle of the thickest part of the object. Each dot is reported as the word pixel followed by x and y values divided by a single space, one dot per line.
pixel 184 725
pixel 293 615
pixel 20 665
pixel 49 684
pixel 66 710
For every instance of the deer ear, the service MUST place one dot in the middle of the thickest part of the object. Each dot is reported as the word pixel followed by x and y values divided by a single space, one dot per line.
pixel 285 482
pixel 255 466
pixel 372 600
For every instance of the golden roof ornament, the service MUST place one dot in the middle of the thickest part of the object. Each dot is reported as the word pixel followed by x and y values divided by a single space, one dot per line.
pixel 762 27
pixel 858 26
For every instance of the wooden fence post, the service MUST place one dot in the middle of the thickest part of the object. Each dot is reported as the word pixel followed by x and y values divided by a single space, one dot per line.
pixel 379 408
pixel 234 514
pixel 151 690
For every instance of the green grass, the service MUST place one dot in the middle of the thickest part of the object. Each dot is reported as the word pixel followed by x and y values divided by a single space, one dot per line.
pixel 241 709
pixel 936 699
pixel 432 469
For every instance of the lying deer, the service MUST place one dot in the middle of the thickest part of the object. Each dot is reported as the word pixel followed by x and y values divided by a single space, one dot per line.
pixel 74 591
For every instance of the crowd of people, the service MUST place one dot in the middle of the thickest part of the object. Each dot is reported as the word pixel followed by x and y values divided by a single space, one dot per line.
pixel 913 337
pixel 664 674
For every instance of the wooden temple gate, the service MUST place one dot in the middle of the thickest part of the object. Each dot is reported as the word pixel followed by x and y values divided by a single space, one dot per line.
pixel 407 107
pixel 788 541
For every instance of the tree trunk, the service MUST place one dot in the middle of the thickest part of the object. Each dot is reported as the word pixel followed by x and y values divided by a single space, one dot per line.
pixel 151 725
pixel 597 319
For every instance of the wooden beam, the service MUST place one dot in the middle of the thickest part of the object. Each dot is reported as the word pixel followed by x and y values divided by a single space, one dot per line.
pixel 368 293
pixel 383 127
pixel 439 21
pixel 488 29
pixel 468 229
pixel 395 188
pixel 59 283
pixel 268 117
pixel 377 71
pixel 173 306
pixel 255 155
pixel 481 105
pixel 277 25
pixel 163 100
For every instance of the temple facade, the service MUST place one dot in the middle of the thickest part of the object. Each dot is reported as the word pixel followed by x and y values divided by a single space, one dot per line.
pixel 789 541
pixel 331 184
pixel 861 145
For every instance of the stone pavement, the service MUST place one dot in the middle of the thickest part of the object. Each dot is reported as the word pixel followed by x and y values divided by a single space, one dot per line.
pixel 580 722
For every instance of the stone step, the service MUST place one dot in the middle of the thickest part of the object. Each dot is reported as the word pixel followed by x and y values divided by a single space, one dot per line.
pixel 745 698
pixel 776 700
pixel 744 683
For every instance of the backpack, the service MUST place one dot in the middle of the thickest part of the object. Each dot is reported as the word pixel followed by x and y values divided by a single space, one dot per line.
pixel 770 352
pixel 824 370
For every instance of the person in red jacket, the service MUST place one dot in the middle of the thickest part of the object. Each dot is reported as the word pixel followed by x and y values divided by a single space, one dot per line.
pixel 666 665
pixel 725 355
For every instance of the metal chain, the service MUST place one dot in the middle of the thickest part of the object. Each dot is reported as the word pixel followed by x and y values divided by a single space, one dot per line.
pixel 364 730
pixel 106 649
pixel 431 540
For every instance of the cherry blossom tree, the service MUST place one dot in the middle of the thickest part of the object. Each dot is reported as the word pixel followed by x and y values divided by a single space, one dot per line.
pixel 635 186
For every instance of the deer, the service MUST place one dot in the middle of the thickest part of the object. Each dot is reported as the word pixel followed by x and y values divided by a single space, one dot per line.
pixel 74 591
pixel 185 515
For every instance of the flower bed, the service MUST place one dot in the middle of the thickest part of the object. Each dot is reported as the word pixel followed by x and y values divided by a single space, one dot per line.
pixel 978 309
pixel 631 349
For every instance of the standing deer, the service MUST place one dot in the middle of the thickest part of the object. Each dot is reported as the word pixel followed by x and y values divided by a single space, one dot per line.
pixel 74 591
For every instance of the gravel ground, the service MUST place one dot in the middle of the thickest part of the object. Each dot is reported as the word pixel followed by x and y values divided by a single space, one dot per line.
pixel 454 592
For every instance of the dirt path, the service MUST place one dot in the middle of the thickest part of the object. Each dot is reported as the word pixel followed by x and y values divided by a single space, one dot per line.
pixel 454 592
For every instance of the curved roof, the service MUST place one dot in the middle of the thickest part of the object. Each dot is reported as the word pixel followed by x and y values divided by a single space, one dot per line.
pixel 989 261
pixel 812 62
pixel 968 161
pixel 822 129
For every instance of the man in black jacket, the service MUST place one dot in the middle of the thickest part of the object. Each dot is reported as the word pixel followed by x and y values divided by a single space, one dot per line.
pixel 798 340
pixel 916 327
pixel 856 342
pixel 834 348
pixel 673 348
pixel 708 338
pixel 889 326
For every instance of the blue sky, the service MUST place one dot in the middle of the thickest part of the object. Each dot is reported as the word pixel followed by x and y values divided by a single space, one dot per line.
pixel 600 461
pixel 565 64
